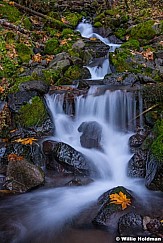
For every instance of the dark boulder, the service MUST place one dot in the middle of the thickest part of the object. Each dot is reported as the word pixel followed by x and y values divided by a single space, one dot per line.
pixel 131 224
pixel 137 164
pixel 154 174
pixel 23 176
pixel 16 100
pixel 35 85
pixel 79 181
pixel 63 156
pixel 91 134
pixel 107 210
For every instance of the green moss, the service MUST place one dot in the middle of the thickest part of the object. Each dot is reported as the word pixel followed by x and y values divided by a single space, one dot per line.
pixel 24 52
pixel 51 76
pixel 17 82
pixel 119 60
pixel 9 12
pixel 67 32
pixel 120 33
pixel 8 65
pixel 73 18
pixel 73 72
pixel 33 113
pixel 97 24
pixel 51 46
pixel 27 23
pixel 143 31
pixel 131 44
pixel 157 145
pixel 99 17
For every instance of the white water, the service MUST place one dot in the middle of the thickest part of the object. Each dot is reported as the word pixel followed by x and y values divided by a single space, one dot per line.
pixel 48 210
pixel 86 30
pixel 97 72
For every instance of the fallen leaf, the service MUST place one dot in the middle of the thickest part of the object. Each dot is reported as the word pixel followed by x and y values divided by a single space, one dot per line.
pixel 148 54
pixel 93 39
pixel 63 19
pixel 14 157
pixel 63 42
pixel 37 58
pixel 25 141
pixel 120 198
pixel 1 89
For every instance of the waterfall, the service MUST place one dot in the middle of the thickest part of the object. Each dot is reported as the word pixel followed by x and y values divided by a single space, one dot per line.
pixel 86 30
pixel 100 67
pixel 114 111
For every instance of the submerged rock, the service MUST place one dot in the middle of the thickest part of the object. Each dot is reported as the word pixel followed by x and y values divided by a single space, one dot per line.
pixel 23 176
pixel 62 157
pixel 91 134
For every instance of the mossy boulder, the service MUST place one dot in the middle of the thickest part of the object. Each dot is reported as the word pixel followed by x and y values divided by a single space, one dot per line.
pixel 144 31
pixel 51 46
pixel 24 52
pixel 33 113
pixel 131 44
pixel 73 18
pixel 157 144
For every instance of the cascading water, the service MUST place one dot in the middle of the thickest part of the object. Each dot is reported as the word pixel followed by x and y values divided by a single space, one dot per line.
pixel 103 67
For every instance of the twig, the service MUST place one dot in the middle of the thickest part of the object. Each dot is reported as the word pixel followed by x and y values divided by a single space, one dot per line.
pixel 142 113
pixel 12 26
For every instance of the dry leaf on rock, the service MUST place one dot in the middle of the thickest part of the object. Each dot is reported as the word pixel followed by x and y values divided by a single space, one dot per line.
pixel 25 141
pixel 120 198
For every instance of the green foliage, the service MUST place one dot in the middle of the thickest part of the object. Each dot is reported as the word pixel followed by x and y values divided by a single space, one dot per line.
pixel 33 113
pixel 51 46
pixel 9 12
pixel 27 23
pixel 73 72
pixel 73 18
pixel 17 82
pixel 119 60
pixel 24 52
pixel 97 24
pixel 66 32
pixel 131 44
pixel 120 33
pixel 143 31
pixel 8 65
pixel 157 145
pixel 51 76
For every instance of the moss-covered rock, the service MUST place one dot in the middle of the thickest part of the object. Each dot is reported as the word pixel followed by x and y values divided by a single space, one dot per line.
pixel 131 44
pixel 97 24
pixel 32 113
pixel 121 60
pixel 143 31
pixel 51 46
pixel 73 18
pixel 73 72
pixel 24 52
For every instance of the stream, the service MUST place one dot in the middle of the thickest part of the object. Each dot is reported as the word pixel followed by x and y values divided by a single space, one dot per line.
pixel 63 214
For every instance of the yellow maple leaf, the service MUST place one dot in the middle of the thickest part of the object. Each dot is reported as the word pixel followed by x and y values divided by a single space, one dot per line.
pixel 120 198
pixel 93 38
pixel 25 141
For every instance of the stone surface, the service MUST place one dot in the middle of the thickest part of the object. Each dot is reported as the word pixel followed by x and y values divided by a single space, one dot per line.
pixel 23 176
pixel 35 85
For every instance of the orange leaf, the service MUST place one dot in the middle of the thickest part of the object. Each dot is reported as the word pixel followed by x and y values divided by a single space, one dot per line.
pixel 1 89
pixel 37 58
pixel 93 38
pixel 120 198
pixel 63 42
pixel 14 157
pixel 11 3
pixel 148 54
pixel 64 20
pixel 25 141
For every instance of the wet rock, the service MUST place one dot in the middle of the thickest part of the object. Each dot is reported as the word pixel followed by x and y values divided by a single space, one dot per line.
pixel 5 119
pixel 79 182
pixel 62 156
pixel 23 176
pixel 61 60
pixel 154 174
pixel 35 85
pixel 83 85
pixel 136 140
pixel 91 134
pixel 137 164
pixel 155 226
pixel 16 100
pixel 108 210
pixel 131 224
pixel 79 44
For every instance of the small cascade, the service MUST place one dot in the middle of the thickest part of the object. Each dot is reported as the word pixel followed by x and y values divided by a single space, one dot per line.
pixel 86 30
pixel 100 67
pixel 99 71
